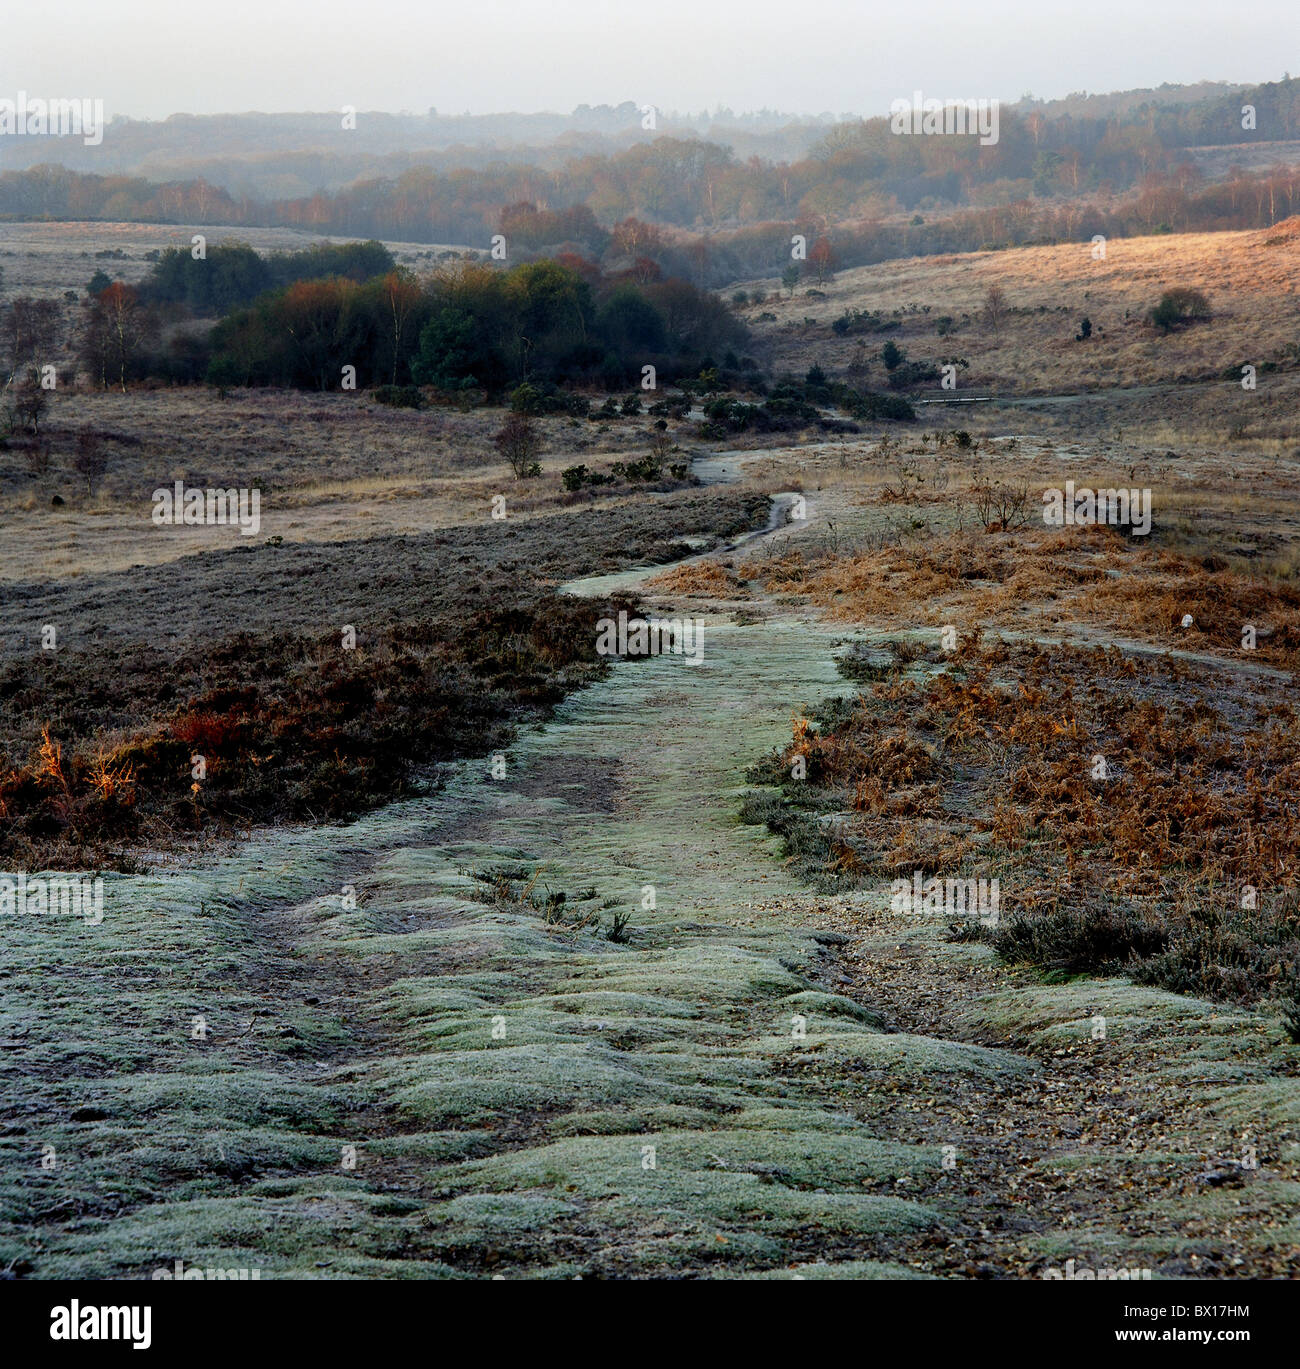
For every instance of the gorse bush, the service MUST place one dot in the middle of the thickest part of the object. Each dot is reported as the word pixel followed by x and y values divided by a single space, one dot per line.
pixel 853 321
pixel 1178 307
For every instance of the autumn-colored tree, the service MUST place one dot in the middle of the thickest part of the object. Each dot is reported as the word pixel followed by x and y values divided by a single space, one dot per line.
pixel 581 266
pixel 645 270
pixel 822 259
pixel 117 329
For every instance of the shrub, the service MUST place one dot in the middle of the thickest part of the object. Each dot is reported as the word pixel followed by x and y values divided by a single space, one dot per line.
pixel 1178 307
pixel 864 405
pixel 647 468
pixel 1079 940
pixel 575 477
pixel 527 399
pixel 399 396
pixel 863 321
pixel 912 373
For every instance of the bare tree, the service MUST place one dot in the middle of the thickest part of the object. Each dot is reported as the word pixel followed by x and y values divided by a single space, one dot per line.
pixel 118 326
pixel 91 461
pixel 29 328
pixel 519 442
pixel 996 309
pixel 38 459
pixel 28 405
pixel 401 295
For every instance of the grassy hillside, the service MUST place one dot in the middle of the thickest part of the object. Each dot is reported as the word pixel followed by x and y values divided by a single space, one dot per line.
pixel 1251 280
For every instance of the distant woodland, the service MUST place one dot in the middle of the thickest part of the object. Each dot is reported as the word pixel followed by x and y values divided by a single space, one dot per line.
pixel 1119 164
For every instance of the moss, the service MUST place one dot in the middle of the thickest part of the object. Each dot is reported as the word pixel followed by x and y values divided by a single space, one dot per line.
pixel 812 1004
pixel 475 1154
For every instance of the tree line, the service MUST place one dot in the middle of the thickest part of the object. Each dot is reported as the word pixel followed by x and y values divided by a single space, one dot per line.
pixel 475 327
pixel 230 274
pixel 348 317
pixel 860 170
pixel 1179 200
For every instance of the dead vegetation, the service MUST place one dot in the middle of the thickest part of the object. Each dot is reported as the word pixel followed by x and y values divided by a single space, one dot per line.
pixel 1138 811
pixel 284 727
pixel 1037 579
pixel 701 578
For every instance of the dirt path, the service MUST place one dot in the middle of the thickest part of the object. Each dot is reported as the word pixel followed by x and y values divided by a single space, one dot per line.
pixel 419 1060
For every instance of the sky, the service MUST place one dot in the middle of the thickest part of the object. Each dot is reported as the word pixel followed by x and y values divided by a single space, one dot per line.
pixel 151 58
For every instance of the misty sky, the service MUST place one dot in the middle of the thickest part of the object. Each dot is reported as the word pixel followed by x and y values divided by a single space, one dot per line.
pixel 151 58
